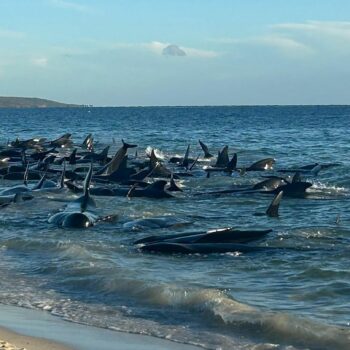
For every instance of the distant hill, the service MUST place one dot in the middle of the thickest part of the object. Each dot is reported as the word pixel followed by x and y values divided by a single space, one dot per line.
pixel 29 102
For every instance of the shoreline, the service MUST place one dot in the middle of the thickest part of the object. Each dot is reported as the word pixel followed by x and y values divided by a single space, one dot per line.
pixel 10 340
pixel 38 330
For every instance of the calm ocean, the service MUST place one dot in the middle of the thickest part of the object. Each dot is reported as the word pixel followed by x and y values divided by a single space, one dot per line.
pixel 295 298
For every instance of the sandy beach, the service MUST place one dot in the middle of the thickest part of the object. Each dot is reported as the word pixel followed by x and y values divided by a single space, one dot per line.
pixel 29 329
pixel 15 341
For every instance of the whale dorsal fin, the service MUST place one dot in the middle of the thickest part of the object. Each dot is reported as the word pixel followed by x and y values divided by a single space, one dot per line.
pixel 296 177
pixel 24 157
pixel 104 152
pixel 18 197
pixel 272 210
pixel 315 170
pixel 232 165
pixel 194 163
pixel 25 180
pixel 185 159
pixel 40 183
pixel 153 159
pixel 223 159
pixel 72 157
pixel 85 199
pixel 61 179
pixel 173 186
pixel 88 143
pixel 87 181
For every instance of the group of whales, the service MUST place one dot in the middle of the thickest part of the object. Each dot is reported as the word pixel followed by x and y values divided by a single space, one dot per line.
pixel 121 175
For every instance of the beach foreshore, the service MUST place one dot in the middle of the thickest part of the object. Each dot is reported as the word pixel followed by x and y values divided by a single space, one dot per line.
pixel 28 329
pixel 16 341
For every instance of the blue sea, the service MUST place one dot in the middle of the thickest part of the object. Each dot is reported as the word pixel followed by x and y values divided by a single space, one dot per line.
pixel 296 297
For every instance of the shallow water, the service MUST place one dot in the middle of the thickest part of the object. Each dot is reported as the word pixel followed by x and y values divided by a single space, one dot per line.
pixel 295 296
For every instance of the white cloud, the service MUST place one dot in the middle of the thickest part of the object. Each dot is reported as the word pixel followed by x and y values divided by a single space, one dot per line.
pixel 283 43
pixel 201 53
pixel 157 47
pixel 40 61
pixel 302 38
pixel 286 44
pixel 10 34
pixel 70 5
pixel 335 29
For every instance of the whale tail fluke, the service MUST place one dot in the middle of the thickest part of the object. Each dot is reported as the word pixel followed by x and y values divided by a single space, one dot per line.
pixel 128 145
pixel 272 210
pixel 205 149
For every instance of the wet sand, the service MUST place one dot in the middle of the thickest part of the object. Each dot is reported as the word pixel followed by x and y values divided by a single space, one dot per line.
pixel 28 329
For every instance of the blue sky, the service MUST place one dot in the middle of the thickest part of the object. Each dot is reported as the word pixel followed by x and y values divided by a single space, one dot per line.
pixel 176 52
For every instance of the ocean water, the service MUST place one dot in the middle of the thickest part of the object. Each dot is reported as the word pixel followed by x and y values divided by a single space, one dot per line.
pixel 294 297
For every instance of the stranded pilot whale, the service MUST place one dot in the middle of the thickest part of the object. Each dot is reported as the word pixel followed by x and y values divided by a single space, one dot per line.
pixel 215 241
pixel 79 213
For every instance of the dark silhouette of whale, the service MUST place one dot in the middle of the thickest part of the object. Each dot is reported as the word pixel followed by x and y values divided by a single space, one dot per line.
pixel 79 213
pixel 225 235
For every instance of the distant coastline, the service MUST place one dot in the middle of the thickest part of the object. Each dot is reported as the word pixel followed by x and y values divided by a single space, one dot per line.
pixel 32 102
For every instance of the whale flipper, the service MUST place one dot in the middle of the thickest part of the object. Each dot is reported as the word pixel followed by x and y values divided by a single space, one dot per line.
pixel 272 210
